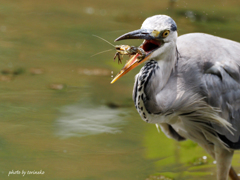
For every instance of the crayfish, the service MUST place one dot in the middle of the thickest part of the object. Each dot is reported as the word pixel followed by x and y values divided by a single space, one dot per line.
pixel 128 50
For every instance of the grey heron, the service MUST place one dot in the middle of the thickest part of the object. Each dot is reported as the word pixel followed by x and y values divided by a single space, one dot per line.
pixel 189 86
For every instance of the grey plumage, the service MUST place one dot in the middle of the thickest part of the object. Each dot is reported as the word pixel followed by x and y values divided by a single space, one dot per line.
pixel 220 88
pixel 190 87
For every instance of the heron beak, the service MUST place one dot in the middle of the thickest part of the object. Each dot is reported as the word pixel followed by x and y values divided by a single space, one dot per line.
pixel 149 46
pixel 131 64
pixel 138 34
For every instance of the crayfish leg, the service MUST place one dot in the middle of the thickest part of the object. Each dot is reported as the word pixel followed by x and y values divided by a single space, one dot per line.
pixel 119 58
pixel 115 56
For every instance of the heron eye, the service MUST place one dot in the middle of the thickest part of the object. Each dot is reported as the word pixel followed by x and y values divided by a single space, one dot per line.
pixel 165 33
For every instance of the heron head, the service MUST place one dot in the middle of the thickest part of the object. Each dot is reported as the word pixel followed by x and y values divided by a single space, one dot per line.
pixel 159 33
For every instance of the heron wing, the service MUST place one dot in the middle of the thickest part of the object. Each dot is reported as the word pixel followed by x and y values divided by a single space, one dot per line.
pixel 223 91
pixel 218 63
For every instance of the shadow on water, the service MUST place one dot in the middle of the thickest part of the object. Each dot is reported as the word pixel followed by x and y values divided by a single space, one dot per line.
pixel 59 113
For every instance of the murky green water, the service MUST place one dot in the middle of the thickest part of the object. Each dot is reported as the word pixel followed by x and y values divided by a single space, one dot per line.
pixel 61 118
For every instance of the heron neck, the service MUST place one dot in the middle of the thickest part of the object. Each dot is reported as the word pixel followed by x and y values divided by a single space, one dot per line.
pixel 162 74
pixel 151 80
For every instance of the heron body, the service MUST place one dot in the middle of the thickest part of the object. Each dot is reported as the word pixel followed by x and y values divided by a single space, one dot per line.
pixel 190 87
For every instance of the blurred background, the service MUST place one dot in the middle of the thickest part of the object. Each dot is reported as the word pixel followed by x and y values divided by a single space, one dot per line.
pixel 58 112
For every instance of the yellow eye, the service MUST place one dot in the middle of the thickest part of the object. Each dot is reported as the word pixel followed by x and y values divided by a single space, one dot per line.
pixel 165 33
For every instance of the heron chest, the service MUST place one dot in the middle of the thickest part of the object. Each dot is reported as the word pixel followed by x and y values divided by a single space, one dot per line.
pixel 144 105
pixel 152 97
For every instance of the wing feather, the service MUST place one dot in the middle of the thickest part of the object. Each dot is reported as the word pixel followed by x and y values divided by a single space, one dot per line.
pixel 218 62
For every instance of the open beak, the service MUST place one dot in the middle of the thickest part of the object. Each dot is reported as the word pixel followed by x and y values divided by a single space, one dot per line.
pixel 149 46
pixel 131 64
